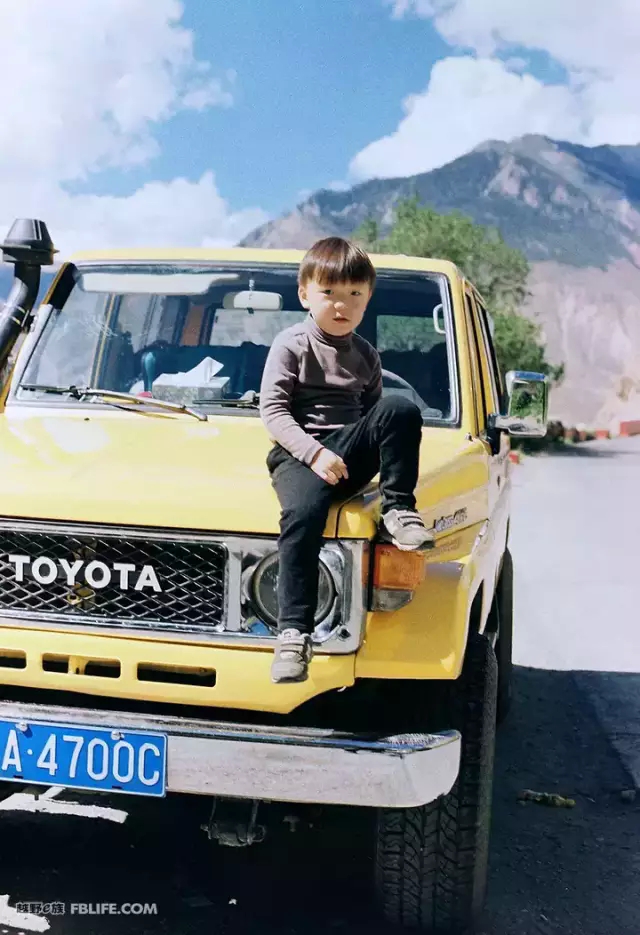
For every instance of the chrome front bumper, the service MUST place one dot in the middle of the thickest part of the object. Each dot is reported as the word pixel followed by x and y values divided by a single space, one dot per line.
pixel 217 758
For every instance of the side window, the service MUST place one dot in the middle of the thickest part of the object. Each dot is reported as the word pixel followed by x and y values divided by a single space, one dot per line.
pixel 491 392
pixel 487 328
pixel 414 348
pixel 479 399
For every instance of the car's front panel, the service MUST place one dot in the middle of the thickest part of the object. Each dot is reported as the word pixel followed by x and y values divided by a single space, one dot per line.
pixel 164 584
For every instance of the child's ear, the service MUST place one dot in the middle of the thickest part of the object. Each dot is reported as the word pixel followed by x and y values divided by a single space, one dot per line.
pixel 302 295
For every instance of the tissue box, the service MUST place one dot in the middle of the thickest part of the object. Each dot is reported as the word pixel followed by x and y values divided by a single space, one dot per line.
pixel 191 395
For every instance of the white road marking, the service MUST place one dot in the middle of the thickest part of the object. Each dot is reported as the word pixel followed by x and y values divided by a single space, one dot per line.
pixel 21 920
pixel 45 803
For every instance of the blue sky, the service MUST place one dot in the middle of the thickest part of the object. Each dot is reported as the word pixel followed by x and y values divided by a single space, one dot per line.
pixel 314 86
pixel 193 122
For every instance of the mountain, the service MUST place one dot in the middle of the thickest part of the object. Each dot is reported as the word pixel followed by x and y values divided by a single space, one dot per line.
pixel 573 210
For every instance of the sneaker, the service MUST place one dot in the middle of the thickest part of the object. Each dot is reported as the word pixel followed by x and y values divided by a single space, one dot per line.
pixel 407 530
pixel 292 656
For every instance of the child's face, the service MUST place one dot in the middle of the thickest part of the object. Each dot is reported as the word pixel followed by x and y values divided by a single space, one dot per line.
pixel 339 308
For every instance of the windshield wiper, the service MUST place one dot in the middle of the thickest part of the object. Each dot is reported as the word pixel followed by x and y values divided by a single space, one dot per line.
pixel 59 390
pixel 80 392
pixel 248 400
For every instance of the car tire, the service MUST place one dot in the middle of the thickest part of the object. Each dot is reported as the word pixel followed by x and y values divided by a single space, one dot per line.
pixel 504 644
pixel 431 861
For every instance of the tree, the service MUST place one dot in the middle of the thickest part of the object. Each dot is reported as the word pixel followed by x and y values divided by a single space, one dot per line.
pixel 498 271
pixel 519 345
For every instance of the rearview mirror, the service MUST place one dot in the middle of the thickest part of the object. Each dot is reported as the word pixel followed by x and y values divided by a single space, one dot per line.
pixel 253 301
pixel 527 405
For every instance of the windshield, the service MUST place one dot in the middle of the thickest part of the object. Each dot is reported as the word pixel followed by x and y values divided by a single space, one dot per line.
pixel 200 336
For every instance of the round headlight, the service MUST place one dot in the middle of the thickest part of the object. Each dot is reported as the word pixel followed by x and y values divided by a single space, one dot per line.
pixel 264 590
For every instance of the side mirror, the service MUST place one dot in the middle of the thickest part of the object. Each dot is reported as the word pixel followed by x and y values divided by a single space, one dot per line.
pixel 527 405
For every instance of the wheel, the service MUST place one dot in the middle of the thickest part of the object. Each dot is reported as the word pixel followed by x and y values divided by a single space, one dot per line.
pixel 504 645
pixel 431 861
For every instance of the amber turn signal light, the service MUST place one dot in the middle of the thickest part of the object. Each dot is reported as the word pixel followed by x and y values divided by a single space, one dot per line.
pixel 397 570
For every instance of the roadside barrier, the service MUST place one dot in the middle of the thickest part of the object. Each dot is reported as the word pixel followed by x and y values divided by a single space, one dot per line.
pixel 559 432
pixel 582 434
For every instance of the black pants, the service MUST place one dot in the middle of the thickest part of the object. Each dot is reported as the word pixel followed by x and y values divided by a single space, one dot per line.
pixel 385 440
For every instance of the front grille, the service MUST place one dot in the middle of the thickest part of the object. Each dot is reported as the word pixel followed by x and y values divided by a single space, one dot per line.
pixel 175 585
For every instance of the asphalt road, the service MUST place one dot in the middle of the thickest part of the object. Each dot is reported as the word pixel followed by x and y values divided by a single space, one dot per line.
pixel 572 731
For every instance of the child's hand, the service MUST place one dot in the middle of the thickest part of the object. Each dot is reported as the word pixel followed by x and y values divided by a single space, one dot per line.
pixel 329 466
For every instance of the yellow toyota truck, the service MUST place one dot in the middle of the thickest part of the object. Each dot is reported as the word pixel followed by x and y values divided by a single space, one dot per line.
pixel 139 562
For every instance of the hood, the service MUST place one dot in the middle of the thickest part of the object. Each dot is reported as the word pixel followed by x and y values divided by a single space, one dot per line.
pixel 136 469
pixel 161 470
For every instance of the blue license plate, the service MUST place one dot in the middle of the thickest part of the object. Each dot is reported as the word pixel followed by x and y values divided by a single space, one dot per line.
pixel 107 759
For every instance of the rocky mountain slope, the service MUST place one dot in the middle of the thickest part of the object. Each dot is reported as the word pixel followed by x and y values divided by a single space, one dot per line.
pixel 574 211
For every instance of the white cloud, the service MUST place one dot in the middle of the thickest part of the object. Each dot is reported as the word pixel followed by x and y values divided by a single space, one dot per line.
pixel 467 102
pixel 488 92
pixel 86 86
pixel 214 94
pixel 419 7
pixel 179 212
pixel 603 43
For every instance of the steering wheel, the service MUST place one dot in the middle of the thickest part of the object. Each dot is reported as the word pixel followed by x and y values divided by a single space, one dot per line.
pixel 398 379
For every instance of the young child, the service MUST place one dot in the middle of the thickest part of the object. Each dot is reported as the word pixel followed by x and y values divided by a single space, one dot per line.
pixel 321 402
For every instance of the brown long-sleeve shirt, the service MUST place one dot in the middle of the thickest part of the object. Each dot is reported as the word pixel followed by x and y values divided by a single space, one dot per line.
pixel 314 383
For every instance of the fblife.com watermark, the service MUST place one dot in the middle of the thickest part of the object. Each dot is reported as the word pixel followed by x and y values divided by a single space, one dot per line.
pixel 87 909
